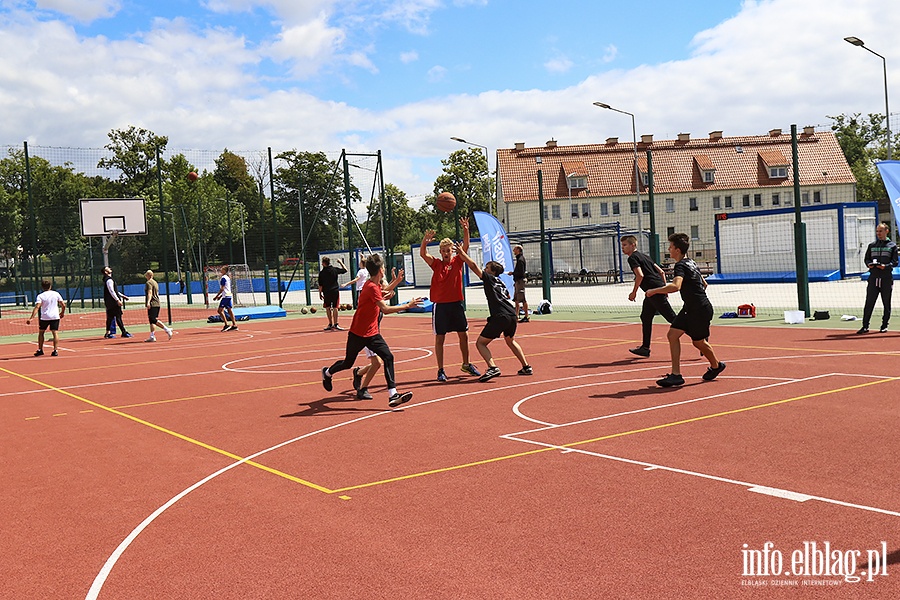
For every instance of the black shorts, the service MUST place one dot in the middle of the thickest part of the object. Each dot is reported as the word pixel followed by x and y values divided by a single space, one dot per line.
pixel 330 298
pixel 504 325
pixel 153 314
pixel 52 324
pixel 447 317
pixel 694 322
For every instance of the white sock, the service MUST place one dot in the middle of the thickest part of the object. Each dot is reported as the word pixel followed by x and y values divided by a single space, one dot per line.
pixel 392 391
pixel 328 373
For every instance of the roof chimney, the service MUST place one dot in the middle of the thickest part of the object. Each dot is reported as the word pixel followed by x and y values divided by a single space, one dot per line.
pixel 809 130
pixel 715 135
pixel 520 146
pixel 647 138
pixel 774 132
pixel 684 137
pixel 612 141
pixel 551 143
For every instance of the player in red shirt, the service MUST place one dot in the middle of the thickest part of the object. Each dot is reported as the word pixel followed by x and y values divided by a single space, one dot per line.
pixel 364 331
pixel 447 294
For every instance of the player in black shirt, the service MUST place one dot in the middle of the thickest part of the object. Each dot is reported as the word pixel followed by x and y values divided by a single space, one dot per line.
pixel 694 317
pixel 502 319
pixel 881 258
pixel 647 275
pixel 330 291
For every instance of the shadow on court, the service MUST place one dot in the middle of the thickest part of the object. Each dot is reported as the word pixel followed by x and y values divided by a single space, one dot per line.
pixel 322 407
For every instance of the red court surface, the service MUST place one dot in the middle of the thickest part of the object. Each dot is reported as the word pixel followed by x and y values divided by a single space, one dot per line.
pixel 216 466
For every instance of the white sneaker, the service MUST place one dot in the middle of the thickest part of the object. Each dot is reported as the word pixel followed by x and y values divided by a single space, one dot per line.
pixel 169 333
pixel 150 339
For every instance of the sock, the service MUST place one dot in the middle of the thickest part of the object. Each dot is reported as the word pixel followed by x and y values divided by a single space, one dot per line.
pixel 392 391
pixel 328 373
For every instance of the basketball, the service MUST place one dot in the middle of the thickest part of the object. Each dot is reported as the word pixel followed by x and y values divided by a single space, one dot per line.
pixel 312 310
pixel 303 311
pixel 446 202
pixel 193 176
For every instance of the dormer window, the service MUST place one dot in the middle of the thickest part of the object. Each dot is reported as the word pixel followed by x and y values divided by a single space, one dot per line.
pixel 778 172
pixel 709 176
pixel 645 179
pixel 577 182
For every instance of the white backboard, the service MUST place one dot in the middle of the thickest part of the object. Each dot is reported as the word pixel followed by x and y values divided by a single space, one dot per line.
pixel 103 216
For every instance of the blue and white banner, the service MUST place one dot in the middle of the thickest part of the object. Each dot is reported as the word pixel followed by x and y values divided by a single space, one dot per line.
pixel 495 246
pixel 890 175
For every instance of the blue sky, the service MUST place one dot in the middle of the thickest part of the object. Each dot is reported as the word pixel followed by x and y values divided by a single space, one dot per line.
pixel 403 76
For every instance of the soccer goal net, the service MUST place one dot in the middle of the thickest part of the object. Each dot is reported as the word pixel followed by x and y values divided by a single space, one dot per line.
pixel 241 284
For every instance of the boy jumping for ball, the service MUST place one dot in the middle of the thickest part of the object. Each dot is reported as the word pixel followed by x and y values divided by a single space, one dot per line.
pixel 364 332
pixel 502 320
pixel 694 317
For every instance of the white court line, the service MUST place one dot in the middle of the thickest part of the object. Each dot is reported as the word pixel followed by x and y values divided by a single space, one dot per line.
pixel 517 405
pixel 753 487
pixel 317 360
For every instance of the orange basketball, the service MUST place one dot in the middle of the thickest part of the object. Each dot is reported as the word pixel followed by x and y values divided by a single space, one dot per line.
pixel 445 202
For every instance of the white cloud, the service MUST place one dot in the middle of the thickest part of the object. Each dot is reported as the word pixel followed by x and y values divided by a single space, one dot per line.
pixel 610 53
pixel 85 11
pixel 307 46
pixel 436 74
pixel 408 57
pixel 413 15
pixel 560 64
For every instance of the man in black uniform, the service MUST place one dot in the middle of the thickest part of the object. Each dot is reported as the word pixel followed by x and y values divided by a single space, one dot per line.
pixel 519 278
pixel 112 300
pixel 694 317
pixel 647 275
pixel 881 258
pixel 330 291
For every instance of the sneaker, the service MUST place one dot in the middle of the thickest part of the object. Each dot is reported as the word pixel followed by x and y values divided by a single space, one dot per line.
pixel 526 370
pixel 233 328
pixel 108 336
pixel 524 320
pixel 357 379
pixel 226 328
pixel 127 335
pixel 398 399
pixel 441 375
pixel 640 351
pixel 329 328
pixel 339 328
pixel 363 394
pixel 670 380
pixel 862 330
pixel 490 374
pixel 54 353
pixel 39 353
pixel 712 373
pixel 150 339
pixel 169 333
pixel 326 380
pixel 470 368
pixel 883 329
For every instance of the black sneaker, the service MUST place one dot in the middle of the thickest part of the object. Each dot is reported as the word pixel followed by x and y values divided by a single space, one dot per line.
pixel 326 380
pixel 470 368
pixel 127 335
pixel 670 380
pixel 39 353
pixel 338 328
pixel 329 328
pixel 712 373
pixel 441 375
pixel 862 330
pixel 226 328
pixel 883 329
pixel 526 370
pixel 490 374
pixel 233 328
pixel 54 353
pixel 357 378
pixel 398 399
pixel 363 394
pixel 524 320
pixel 108 336
pixel 640 351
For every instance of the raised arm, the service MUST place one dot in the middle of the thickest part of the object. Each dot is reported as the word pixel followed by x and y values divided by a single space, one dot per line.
pixel 468 260
pixel 464 221
pixel 423 249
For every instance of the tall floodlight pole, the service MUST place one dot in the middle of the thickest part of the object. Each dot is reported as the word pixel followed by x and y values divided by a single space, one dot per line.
pixel 637 180
pixel 488 161
pixel 887 111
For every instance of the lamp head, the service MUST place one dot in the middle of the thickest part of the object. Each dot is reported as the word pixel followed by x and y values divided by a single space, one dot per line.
pixel 456 139
pixel 854 40
pixel 602 105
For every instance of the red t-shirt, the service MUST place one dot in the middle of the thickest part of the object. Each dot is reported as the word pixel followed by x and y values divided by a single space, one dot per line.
pixel 365 320
pixel 446 280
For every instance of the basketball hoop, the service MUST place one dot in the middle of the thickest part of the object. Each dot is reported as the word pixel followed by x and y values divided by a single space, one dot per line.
pixel 110 238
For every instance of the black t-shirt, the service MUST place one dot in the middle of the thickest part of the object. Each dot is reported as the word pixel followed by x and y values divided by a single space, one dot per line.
pixel 519 270
pixel 692 291
pixel 328 278
pixel 652 278
pixel 497 296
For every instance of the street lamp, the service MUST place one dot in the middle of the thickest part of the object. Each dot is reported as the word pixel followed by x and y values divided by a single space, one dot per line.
pixel 887 112
pixel 488 161
pixel 637 182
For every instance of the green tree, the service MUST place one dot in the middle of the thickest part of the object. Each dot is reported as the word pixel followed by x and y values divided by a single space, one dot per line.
pixel 134 157
pixel 863 142
pixel 466 176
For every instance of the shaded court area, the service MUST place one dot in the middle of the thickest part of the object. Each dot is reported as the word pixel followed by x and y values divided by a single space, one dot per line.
pixel 216 466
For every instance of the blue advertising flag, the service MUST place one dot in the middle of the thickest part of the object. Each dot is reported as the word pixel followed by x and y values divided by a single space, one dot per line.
pixel 495 245
pixel 890 175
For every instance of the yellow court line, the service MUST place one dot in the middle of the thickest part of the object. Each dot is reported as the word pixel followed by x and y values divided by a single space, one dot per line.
pixel 612 436
pixel 170 432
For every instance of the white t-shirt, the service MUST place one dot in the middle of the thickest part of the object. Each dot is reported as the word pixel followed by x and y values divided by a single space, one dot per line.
pixel 362 276
pixel 225 282
pixel 49 301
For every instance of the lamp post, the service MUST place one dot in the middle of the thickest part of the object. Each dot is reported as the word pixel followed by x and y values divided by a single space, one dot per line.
pixel 887 112
pixel 637 181
pixel 488 161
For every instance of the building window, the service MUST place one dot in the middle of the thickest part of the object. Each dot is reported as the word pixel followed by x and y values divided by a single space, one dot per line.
pixel 645 206
pixel 693 203
pixel 577 182
pixel 717 202
pixel 546 214
pixel 604 209
pixel 555 211
pixel 789 198
pixel 817 197
pixel 804 197
pixel 709 176
pixel 776 199
pixel 633 205
pixel 695 232
pixel 757 199
pixel 778 172
pixel 728 202
pixel 745 201
pixel 645 179
pixel 670 204
pixel 670 231
pixel 586 210
pixel 616 209
pixel 575 213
